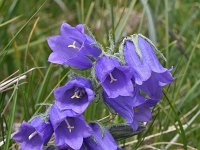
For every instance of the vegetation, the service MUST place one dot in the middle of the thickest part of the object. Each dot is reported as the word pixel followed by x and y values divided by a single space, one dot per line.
pixel 173 26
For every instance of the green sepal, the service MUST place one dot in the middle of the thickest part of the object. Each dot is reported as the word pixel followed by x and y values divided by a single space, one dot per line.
pixel 134 39
pixel 97 44
pixel 154 47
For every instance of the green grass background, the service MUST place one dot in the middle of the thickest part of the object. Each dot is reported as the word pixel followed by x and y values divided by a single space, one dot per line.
pixel 173 26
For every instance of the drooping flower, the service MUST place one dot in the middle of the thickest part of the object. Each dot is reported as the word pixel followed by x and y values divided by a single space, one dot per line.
pixel 73 47
pixel 152 87
pixel 147 71
pixel 75 95
pixel 142 113
pixel 34 134
pixel 101 139
pixel 69 130
pixel 129 107
pixel 115 79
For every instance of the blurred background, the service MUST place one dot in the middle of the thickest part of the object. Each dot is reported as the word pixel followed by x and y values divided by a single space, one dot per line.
pixel 173 26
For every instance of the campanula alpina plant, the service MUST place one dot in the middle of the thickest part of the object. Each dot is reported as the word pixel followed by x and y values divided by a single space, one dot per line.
pixel 129 82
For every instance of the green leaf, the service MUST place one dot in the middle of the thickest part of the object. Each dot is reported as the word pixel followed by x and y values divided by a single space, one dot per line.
pixel 123 130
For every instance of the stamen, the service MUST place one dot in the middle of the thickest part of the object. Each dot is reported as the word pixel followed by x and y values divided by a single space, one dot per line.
pixel 32 135
pixel 73 45
pixel 68 126
pixel 112 78
pixel 76 95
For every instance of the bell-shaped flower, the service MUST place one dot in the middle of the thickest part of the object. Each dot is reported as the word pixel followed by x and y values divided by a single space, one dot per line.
pixel 75 95
pixel 69 130
pixel 126 106
pixel 101 139
pixel 140 55
pixel 34 134
pixel 153 86
pixel 114 78
pixel 73 47
pixel 142 113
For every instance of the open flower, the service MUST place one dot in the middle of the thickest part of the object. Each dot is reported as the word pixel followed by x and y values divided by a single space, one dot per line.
pixel 34 134
pixel 75 95
pixel 69 130
pixel 129 107
pixel 101 139
pixel 115 79
pixel 146 68
pixel 73 47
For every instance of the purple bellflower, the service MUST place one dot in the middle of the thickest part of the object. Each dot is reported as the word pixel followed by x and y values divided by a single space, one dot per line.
pixel 153 86
pixel 142 113
pixel 69 130
pixel 73 47
pixel 115 79
pixel 101 139
pixel 147 72
pixel 34 134
pixel 133 109
pixel 75 95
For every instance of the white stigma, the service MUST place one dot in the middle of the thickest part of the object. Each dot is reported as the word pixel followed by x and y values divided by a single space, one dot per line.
pixel 76 95
pixel 32 135
pixel 112 79
pixel 68 126
pixel 73 45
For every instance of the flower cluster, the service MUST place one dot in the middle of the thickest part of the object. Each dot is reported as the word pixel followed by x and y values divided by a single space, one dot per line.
pixel 130 85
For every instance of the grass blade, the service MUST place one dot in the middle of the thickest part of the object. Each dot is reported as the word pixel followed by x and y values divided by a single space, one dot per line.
pixel 44 85
pixel 187 67
pixel 11 119
pixel 166 31
pixel 151 26
pixel 124 20
pixel 89 13
pixel 4 52
pixel 179 122
pixel 9 21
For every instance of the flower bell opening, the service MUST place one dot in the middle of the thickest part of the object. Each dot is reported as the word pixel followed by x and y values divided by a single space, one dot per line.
pixel 73 46
pixel 112 79
pixel 135 109
pixel 32 135
pixel 69 126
